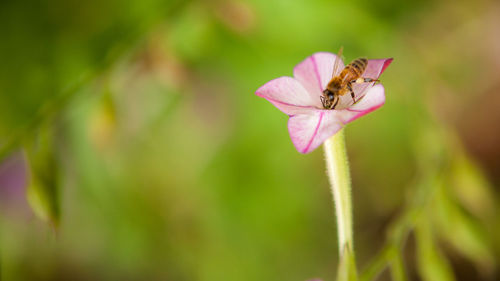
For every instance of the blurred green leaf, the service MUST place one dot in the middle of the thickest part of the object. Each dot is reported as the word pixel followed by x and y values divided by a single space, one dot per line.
pixel 43 190
pixel 471 187
pixel 462 231
pixel 397 265
pixel 432 265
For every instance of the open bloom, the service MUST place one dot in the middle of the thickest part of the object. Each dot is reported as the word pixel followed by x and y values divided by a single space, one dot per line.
pixel 310 124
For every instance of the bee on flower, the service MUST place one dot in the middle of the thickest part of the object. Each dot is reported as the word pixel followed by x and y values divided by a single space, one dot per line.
pixel 324 95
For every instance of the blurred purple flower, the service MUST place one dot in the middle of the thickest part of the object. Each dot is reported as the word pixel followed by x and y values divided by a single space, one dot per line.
pixel 310 124
pixel 13 185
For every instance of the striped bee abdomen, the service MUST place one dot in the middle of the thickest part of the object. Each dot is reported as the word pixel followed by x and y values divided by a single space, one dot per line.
pixel 355 69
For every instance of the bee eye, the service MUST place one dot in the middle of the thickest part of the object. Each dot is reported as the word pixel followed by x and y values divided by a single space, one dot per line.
pixel 330 96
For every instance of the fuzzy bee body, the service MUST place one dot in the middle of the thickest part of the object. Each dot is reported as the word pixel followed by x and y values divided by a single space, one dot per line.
pixel 342 84
pixel 354 70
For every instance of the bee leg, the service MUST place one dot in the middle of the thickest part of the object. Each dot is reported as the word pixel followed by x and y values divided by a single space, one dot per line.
pixel 365 80
pixel 352 92
pixel 370 80
pixel 336 102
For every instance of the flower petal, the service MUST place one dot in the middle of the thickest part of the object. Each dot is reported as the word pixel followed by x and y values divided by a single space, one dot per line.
pixel 373 70
pixel 315 72
pixel 287 94
pixel 374 98
pixel 308 131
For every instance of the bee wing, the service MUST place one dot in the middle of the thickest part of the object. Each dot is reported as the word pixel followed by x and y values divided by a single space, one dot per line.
pixel 337 61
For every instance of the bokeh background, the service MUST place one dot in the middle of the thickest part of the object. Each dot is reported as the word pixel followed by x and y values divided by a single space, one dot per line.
pixel 133 146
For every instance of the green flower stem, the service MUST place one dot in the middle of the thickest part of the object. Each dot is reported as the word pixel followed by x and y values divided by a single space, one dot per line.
pixel 340 181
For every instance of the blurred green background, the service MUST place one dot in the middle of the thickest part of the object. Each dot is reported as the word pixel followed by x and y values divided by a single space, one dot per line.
pixel 134 148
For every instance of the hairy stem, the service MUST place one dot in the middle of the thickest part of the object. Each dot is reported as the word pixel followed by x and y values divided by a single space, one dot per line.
pixel 340 182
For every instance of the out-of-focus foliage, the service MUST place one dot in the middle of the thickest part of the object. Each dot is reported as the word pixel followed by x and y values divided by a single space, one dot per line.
pixel 43 188
pixel 150 157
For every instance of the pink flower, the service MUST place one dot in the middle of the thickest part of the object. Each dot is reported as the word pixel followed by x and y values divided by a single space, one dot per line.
pixel 310 124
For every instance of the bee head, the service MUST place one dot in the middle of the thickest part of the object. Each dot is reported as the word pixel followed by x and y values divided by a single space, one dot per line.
pixel 328 94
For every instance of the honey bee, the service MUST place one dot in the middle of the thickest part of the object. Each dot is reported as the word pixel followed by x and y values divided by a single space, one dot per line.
pixel 342 84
